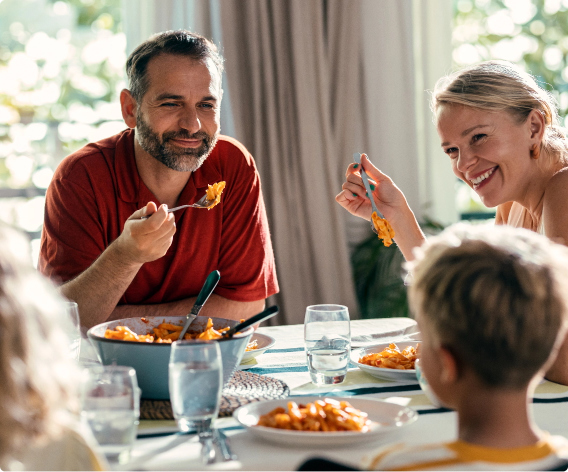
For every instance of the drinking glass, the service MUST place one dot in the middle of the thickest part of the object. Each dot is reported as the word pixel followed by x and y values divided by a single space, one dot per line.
pixel 74 332
pixel 327 333
pixel 196 383
pixel 111 407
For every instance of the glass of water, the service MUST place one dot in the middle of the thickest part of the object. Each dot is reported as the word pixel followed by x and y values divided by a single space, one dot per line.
pixel 75 330
pixel 111 407
pixel 196 382
pixel 327 333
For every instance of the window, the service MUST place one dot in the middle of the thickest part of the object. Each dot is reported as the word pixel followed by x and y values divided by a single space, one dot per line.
pixel 61 71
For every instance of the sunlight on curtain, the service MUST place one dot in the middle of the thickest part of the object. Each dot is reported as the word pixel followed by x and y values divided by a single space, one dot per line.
pixel 288 75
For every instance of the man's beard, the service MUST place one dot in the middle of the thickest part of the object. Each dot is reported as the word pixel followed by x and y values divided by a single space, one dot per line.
pixel 172 156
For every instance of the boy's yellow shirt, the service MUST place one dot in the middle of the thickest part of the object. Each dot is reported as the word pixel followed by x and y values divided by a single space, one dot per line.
pixel 548 453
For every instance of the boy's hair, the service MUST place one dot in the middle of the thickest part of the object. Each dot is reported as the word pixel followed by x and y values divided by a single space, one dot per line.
pixel 496 297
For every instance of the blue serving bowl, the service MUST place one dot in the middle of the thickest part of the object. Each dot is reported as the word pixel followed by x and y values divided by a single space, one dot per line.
pixel 150 360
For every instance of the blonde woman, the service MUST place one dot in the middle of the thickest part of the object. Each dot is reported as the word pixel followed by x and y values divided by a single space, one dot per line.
pixel 39 429
pixel 501 134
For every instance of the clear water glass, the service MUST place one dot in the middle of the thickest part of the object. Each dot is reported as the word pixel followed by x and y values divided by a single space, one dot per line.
pixel 196 383
pixel 327 333
pixel 74 331
pixel 111 408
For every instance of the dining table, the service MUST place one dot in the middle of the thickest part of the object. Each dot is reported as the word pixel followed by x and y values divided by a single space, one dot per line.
pixel 159 445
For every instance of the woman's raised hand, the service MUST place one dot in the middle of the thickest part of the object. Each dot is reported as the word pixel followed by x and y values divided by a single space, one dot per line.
pixel 390 201
pixel 388 197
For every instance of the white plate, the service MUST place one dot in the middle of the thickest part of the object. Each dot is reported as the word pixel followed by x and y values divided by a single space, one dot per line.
pixel 385 417
pixel 382 372
pixel 247 365
pixel 264 342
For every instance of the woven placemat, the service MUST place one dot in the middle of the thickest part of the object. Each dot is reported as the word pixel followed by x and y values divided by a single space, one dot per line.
pixel 243 388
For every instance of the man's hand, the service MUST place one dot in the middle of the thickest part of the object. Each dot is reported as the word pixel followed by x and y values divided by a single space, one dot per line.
pixel 145 240
pixel 99 288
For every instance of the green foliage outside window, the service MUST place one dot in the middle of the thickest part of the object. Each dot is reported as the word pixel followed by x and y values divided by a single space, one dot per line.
pixel 61 71
pixel 530 33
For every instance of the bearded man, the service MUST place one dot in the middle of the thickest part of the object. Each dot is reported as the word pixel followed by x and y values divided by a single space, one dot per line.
pixel 108 238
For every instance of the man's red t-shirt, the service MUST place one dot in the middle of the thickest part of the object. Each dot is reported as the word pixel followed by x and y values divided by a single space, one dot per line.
pixel 96 189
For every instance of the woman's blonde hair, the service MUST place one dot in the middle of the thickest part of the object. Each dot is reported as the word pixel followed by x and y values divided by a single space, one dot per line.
pixel 496 296
pixel 502 86
pixel 37 373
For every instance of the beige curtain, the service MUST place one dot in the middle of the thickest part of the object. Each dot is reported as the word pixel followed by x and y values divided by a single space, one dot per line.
pixel 292 68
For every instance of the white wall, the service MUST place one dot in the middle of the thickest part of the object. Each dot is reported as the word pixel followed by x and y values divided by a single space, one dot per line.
pixel 432 24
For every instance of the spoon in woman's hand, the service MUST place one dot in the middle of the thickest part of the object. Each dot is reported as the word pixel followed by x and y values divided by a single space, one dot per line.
pixel 357 159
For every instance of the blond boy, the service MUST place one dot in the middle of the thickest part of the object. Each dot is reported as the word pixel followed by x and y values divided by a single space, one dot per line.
pixel 492 306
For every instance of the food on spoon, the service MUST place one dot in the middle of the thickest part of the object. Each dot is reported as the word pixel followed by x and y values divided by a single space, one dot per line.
pixel 384 229
pixel 322 415
pixel 214 192
pixel 393 358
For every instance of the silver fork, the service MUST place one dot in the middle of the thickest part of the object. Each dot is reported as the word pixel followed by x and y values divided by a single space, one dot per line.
pixel 201 203
pixel 207 449
pixel 221 439
pixel 357 159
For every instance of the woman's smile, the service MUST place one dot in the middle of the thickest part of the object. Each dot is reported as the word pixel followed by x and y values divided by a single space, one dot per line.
pixel 483 178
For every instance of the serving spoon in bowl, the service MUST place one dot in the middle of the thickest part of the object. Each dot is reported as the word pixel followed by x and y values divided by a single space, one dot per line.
pixel 207 289
pixel 263 315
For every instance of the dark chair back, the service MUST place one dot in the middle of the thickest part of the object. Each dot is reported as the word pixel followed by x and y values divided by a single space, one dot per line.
pixel 318 463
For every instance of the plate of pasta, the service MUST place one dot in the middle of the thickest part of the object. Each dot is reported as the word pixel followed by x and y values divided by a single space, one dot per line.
pixel 299 421
pixel 388 361
pixel 258 344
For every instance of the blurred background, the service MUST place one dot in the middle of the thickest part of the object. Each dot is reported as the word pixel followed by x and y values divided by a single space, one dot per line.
pixel 307 84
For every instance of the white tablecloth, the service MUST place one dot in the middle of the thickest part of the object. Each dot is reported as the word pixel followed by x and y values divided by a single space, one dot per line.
pixel 156 449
